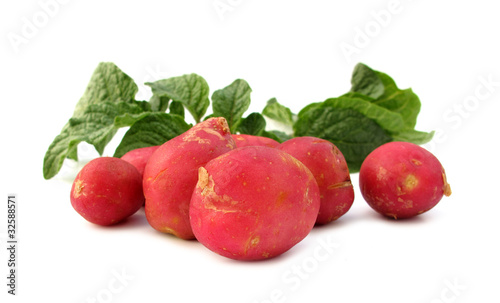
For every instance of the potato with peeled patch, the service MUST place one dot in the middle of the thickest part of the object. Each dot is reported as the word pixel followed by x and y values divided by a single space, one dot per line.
pixel 107 190
pixel 401 180
pixel 253 203
pixel 171 174
pixel 329 167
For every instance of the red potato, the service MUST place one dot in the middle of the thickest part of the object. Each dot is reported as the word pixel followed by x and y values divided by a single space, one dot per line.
pixel 139 157
pixel 107 190
pixel 329 167
pixel 250 140
pixel 172 172
pixel 401 180
pixel 253 203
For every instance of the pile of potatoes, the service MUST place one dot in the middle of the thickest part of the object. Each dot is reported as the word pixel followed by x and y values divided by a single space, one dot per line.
pixel 243 197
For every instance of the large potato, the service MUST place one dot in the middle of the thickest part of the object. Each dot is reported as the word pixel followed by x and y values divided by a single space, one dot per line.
pixel 171 174
pixel 329 167
pixel 253 203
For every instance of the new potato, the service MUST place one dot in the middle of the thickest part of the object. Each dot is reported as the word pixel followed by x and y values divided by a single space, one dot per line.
pixel 107 190
pixel 253 203
pixel 401 180
pixel 329 167
pixel 171 174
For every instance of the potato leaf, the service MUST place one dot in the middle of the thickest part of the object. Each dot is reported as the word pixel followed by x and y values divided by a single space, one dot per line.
pixel 159 104
pixel 96 125
pixel 154 129
pixel 374 112
pixel 278 112
pixel 176 108
pixel 352 132
pixel 365 81
pixel 107 83
pixel 191 90
pixel 384 92
pixel 231 102
pixel 253 125
pixel 110 93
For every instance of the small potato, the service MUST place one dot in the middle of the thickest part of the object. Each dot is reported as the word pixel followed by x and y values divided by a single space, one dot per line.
pixel 172 172
pixel 401 180
pixel 329 167
pixel 250 140
pixel 139 157
pixel 253 203
pixel 107 190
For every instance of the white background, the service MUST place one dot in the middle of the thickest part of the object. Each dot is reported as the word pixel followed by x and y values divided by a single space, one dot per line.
pixel 447 51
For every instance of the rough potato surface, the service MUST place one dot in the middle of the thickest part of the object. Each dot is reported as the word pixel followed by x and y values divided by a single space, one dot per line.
pixel 107 190
pixel 250 140
pixel 172 172
pixel 253 203
pixel 329 167
pixel 401 180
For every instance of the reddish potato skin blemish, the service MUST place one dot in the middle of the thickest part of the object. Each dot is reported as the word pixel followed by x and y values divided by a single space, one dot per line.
pixel 401 180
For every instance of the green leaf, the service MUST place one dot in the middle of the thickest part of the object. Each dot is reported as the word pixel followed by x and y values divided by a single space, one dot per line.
pixel 231 102
pixel 110 93
pixel 154 129
pixel 159 104
pixel 366 81
pixel 129 113
pixel 414 136
pixel 352 132
pixel 108 83
pixel 404 102
pixel 386 119
pixel 191 90
pixel 63 145
pixel 278 112
pixel 254 124
pixel 96 125
pixel 176 108
pixel 384 92
pixel 276 135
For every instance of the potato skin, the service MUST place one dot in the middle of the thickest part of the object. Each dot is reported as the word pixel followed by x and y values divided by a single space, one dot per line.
pixel 253 203
pixel 250 140
pixel 139 157
pixel 172 172
pixel 329 167
pixel 401 180
pixel 107 190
